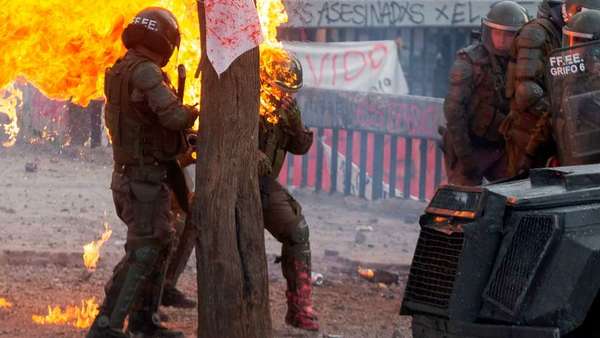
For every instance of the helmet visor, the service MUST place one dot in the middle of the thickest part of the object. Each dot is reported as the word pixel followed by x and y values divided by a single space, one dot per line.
pixel 571 38
pixel 497 38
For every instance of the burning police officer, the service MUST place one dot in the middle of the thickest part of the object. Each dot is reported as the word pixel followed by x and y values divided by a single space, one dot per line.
pixel 475 105
pixel 279 134
pixel 145 121
pixel 527 129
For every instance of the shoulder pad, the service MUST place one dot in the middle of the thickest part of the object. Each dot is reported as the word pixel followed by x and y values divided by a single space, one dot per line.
pixel 461 71
pixel 476 53
pixel 146 75
pixel 532 35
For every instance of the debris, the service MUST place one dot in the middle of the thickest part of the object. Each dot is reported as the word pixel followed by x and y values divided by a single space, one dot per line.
pixel 331 253
pixel 360 237
pixel 8 210
pixel 31 167
pixel 364 228
pixel 378 276
pixel 317 278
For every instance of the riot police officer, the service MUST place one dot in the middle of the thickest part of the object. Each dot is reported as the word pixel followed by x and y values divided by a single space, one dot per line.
pixel 282 214
pixel 475 105
pixel 527 129
pixel 145 122
pixel 582 27
pixel 574 74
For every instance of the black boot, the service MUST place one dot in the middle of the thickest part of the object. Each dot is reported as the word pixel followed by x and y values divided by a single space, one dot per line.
pixel 144 325
pixel 175 298
pixel 100 329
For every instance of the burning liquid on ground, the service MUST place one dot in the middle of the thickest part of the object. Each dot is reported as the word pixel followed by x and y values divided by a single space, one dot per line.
pixel 5 304
pixel 77 316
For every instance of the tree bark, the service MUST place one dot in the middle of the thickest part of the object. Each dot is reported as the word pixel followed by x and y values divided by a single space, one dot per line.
pixel 233 295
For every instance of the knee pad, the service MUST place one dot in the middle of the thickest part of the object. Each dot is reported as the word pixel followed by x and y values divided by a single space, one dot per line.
pixel 298 245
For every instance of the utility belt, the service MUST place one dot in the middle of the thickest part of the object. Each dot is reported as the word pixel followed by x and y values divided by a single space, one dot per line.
pixel 152 172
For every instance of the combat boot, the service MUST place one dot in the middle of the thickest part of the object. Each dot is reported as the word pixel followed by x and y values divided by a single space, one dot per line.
pixel 300 312
pixel 145 325
pixel 175 298
pixel 100 329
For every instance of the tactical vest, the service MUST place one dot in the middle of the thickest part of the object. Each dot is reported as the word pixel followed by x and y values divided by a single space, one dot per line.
pixel 487 106
pixel 137 136
pixel 272 142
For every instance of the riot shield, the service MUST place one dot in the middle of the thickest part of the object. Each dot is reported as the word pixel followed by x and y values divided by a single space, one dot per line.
pixel 574 91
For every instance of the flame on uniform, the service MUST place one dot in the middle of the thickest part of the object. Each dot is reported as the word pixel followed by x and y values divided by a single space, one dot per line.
pixel 5 304
pixel 11 98
pixel 272 13
pixel 79 317
pixel 91 251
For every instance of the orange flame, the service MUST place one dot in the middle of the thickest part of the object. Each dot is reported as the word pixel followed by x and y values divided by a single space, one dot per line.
pixel 63 46
pixel 11 99
pixel 79 317
pixel 91 251
pixel 272 13
pixel 5 304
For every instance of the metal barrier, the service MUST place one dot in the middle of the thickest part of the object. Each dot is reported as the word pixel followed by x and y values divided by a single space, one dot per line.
pixel 369 145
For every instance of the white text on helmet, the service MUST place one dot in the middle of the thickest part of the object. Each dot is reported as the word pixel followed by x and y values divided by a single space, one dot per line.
pixel 148 23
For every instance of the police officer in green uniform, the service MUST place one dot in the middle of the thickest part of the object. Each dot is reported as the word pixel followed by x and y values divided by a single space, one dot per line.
pixel 282 214
pixel 475 105
pixel 527 129
pixel 146 123
pixel 576 91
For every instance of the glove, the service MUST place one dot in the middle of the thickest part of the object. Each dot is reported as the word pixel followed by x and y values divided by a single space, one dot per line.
pixel 291 114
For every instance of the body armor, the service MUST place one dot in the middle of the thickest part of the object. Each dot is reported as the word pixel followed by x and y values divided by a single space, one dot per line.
pixel 528 125
pixel 138 135
pixel 474 108
pixel 275 140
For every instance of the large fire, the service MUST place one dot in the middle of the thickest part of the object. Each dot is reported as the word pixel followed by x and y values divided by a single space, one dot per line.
pixel 63 46
pixel 91 251
pixel 272 14
pixel 5 304
pixel 11 98
pixel 79 317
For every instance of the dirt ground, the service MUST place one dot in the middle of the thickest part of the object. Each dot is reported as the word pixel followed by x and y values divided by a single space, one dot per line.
pixel 48 214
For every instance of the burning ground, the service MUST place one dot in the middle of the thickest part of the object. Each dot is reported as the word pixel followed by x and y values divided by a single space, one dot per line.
pixel 49 214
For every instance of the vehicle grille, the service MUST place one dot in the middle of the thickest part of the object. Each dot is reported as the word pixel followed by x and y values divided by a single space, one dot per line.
pixel 433 269
pixel 515 272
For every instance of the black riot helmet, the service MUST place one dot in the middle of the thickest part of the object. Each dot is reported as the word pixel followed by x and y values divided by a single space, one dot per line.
pixel 156 29
pixel 572 7
pixel 545 7
pixel 582 27
pixel 285 72
pixel 500 25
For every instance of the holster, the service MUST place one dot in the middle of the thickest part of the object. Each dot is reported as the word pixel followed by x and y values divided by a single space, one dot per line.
pixel 176 181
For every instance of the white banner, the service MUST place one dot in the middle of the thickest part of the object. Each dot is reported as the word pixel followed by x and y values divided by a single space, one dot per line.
pixel 367 66
pixel 392 13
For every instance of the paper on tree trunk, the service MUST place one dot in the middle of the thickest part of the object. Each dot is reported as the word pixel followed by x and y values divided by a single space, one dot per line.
pixel 232 28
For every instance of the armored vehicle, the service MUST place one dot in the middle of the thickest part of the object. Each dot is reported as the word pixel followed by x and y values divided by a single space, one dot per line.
pixel 517 259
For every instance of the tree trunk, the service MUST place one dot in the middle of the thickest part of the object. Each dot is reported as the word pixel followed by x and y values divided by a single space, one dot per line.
pixel 233 295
